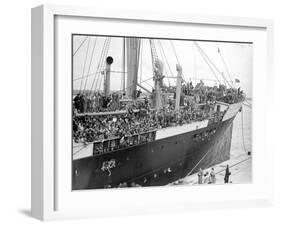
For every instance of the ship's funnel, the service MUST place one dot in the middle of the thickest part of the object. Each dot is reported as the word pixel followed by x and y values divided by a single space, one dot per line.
pixel 109 60
pixel 106 88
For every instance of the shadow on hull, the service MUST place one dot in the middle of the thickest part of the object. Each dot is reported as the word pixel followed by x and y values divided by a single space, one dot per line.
pixel 156 163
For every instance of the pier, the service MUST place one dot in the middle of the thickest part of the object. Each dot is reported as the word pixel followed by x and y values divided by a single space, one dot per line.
pixel 240 168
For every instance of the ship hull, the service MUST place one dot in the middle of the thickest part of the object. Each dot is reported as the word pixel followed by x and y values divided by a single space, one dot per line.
pixel 158 162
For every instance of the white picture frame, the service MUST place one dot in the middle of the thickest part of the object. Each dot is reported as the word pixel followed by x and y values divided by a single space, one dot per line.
pixel 49 200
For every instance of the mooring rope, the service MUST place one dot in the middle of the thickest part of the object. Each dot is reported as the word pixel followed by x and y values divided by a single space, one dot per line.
pixel 199 162
pixel 242 128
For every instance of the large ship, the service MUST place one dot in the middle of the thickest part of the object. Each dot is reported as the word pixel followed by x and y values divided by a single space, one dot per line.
pixel 197 135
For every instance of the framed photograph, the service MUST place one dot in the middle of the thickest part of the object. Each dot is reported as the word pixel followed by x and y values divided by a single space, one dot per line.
pixel 135 112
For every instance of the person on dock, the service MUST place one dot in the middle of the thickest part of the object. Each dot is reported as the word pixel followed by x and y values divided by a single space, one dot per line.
pixel 206 179
pixel 227 174
pixel 200 176
pixel 212 176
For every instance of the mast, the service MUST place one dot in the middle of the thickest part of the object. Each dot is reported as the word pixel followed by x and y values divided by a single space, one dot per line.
pixel 178 91
pixel 133 51
pixel 157 76
pixel 158 102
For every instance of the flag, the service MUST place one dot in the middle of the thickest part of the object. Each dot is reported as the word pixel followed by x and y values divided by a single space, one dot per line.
pixel 237 80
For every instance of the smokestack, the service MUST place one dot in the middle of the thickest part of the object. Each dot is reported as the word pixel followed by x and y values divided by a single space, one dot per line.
pixel 109 61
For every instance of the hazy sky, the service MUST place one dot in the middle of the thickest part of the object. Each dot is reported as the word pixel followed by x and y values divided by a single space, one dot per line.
pixel 238 58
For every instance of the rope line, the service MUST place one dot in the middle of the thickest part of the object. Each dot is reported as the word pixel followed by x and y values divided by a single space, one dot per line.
pixel 161 48
pixel 194 61
pixel 86 57
pixel 143 81
pixel 219 72
pixel 175 51
pixel 103 65
pixel 242 128
pixel 80 149
pixel 235 164
pixel 123 79
pixel 80 46
pixel 101 61
pixel 94 73
pixel 164 59
pixel 140 61
pixel 247 105
pixel 199 162
pixel 90 75
pixel 224 63
pixel 98 66
pixel 90 64
pixel 212 70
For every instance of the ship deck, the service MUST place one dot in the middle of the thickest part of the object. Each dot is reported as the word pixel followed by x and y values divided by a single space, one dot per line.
pixel 81 150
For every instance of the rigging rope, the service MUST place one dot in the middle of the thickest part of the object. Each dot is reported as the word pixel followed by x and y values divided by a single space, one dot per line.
pixel 90 75
pixel 212 70
pixel 164 59
pixel 167 62
pixel 226 68
pixel 98 68
pixel 98 71
pixel 154 55
pixel 219 72
pixel 80 46
pixel 123 79
pixel 177 59
pixel 86 57
pixel 194 61
pixel 101 68
pixel 175 51
pixel 94 73
pixel 90 64
pixel 143 81
pixel 148 84
pixel 140 61
pixel 103 65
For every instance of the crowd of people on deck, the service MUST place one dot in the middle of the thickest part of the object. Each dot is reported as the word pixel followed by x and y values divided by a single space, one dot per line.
pixel 92 128
pixel 96 102
pixel 203 93
pixel 95 128
pixel 140 117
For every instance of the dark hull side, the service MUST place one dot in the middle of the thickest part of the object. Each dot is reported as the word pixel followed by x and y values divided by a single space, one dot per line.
pixel 156 163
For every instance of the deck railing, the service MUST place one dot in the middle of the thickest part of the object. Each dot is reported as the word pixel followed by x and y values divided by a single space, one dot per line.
pixel 108 145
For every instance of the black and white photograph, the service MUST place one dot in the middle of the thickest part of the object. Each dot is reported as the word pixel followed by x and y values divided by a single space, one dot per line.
pixel 160 112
